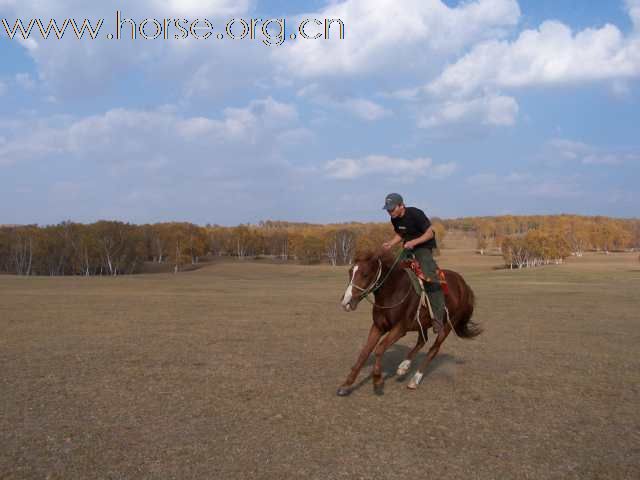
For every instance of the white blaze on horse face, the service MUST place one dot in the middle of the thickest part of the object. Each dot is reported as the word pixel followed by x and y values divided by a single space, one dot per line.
pixel 346 298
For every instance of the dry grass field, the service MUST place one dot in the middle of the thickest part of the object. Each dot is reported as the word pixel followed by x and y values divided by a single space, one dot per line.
pixel 231 372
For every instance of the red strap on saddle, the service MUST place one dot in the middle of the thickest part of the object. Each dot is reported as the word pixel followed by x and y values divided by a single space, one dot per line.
pixel 415 266
pixel 417 269
pixel 443 282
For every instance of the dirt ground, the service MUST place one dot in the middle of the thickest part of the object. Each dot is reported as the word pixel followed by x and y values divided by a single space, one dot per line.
pixel 231 372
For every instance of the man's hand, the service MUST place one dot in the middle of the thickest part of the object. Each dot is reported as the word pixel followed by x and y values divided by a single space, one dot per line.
pixel 409 245
pixel 392 243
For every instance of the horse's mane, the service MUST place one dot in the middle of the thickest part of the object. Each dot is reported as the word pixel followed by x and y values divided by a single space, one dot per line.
pixel 385 256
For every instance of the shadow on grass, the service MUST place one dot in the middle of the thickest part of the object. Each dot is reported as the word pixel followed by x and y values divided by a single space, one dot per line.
pixel 392 358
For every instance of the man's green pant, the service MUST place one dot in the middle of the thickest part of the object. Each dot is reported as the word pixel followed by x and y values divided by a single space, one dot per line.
pixel 433 288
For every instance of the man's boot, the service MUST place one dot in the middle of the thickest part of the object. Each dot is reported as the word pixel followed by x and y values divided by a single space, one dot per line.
pixel 437 305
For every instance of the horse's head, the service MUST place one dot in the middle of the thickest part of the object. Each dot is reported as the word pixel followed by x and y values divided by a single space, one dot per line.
pixel 363 275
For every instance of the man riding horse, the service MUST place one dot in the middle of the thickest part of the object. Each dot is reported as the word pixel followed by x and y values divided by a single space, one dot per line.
pixel 414 228
pixel 397 306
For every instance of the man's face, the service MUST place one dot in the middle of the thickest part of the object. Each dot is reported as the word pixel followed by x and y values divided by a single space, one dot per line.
pixel 398 211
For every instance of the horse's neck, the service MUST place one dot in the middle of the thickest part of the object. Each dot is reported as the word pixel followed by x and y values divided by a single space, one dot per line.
pixel 392 280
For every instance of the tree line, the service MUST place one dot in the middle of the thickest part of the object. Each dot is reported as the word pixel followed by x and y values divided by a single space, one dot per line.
pixel 529 241
pixel 116 248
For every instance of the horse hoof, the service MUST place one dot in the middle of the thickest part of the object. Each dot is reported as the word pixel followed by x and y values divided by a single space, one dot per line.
pixel 415 381
pixel 343 392
pixel 378 389
pixel 403 368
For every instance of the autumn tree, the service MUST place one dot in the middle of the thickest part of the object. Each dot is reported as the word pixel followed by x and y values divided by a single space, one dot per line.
pixel 340 245
pixel 309 250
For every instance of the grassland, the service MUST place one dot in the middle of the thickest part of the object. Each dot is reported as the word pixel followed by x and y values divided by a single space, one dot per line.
pixel 230 372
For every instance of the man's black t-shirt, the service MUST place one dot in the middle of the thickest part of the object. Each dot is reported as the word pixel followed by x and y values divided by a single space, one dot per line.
pixel 412 225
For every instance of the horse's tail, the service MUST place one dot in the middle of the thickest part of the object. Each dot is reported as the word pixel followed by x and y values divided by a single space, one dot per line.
pixel 464 326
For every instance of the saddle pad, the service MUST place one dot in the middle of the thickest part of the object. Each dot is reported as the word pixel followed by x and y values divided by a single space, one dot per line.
pixel 417 282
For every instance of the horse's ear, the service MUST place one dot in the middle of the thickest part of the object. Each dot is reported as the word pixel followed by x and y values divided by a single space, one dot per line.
pixel 363 256
pixel 381 253
pixel 385 256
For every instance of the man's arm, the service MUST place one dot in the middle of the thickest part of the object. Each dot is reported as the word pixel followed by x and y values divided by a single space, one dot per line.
pixel 428 235
pixel 393 242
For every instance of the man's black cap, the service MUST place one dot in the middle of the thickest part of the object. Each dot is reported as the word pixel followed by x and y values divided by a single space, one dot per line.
pixel 392 201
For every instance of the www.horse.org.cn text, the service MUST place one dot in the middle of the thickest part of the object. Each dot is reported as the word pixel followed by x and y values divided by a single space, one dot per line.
pixel 272 31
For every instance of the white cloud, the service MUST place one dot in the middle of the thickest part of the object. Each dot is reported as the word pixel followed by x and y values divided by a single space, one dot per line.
pixel 468 91
pixel 398 168
pixel 296 136
pixel 366 109
pixel 604 159
pixel 206 8
pixel 570 149
pixel 633 7
pixel 550 55
pixel 443 170
pixel 361 108
pixel 246 124
pixel 487 110
pixel 621 89
pixel 29 43
pixel 492 180
pixel 382 34
pixel 121 135
pixel 196 127
pixel 585 154
pixel 36 143
pixel 617 196
pixel 554 189
pixel 518 184
pixel 311 90
pixel 25 81
pixel 72 68
pixel 161 163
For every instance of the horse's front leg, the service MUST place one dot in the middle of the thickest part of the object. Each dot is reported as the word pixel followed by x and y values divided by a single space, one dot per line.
pixel 392 337
pixel 404 367
pixel 374 336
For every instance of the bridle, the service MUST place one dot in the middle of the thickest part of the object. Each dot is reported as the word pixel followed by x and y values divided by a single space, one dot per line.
pixel 377 283
pixel 374 285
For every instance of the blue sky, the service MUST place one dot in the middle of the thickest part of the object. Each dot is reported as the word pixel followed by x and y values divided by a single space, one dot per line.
pixel 483 107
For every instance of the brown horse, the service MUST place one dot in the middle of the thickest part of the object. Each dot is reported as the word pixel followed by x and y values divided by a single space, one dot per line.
pixel 394 314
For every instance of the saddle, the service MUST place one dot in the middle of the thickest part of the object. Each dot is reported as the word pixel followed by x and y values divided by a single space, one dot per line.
pixel 427 282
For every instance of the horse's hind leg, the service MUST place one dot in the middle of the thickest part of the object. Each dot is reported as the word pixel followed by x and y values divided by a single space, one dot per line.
pixel 372 341
pixel 433 351
pixel 404 367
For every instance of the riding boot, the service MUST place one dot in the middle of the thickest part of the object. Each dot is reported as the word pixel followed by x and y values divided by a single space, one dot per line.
pixel 436 298
pixel 432 286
